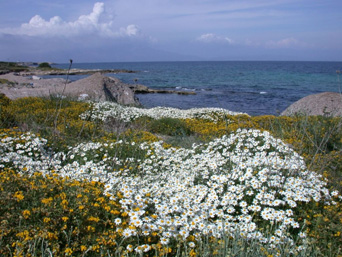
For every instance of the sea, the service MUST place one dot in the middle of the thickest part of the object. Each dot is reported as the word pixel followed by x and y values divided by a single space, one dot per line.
pixel 252 87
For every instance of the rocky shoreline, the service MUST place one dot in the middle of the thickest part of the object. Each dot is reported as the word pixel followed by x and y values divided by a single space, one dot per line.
pixel 100 87
pixel 96 87
pixel 54 72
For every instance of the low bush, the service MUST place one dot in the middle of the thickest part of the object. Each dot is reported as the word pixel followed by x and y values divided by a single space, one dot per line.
pixel 44 65
pixel 53 216
pixel 169 126
pixel 12 67
pixel 7 119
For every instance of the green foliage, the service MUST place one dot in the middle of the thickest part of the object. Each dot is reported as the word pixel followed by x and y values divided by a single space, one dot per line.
pixel 170 126
pixel 44 65
pixel 47 214
pixel 12 67
pixel 7 120
pixel 6 81
pixel 53 119
pixel 4 100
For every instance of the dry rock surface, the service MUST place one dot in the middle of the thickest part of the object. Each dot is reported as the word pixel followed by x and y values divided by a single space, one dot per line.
pixel 95 87
pixel 16 86
pixel 327 103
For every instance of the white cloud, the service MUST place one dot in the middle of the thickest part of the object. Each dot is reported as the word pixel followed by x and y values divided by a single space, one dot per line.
pixel 212 38
pixel 130 30
pixel 286 43
pixel 97 22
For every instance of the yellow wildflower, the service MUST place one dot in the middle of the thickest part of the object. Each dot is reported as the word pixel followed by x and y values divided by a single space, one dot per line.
pixel 19 196
pixel 90 228
pixel 51 236
pixel 192 253
pixel 114 212
pixel 65 219
pixel 26 214
pixel 68 251
pixel 47 200
pixel 64 203
pixel 95 219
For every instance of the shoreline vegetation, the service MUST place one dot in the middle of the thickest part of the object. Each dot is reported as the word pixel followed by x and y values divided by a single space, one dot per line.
pixel 84 178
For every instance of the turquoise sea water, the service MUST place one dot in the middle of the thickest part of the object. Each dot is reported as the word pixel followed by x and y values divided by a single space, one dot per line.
pixel 256 88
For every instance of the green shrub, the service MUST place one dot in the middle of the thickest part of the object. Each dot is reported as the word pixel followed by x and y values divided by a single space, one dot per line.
pixel 12 67
pixel 44 65
pixel 42 215
pixel 6 81
pixel 4 100
pixel 58 121
pixel 170 127
pixel 6 118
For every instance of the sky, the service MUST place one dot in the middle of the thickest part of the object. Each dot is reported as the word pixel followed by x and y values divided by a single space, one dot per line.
pixel 170 30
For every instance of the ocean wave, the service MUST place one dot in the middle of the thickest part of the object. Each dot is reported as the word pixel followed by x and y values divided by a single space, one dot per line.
pixel 184 88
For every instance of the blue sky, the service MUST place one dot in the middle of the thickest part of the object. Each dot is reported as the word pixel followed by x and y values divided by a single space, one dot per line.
pixel 170 30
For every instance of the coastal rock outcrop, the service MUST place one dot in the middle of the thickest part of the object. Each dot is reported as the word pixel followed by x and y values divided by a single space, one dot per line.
pixel 327 103
pixel 101 88
pixel 96 87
